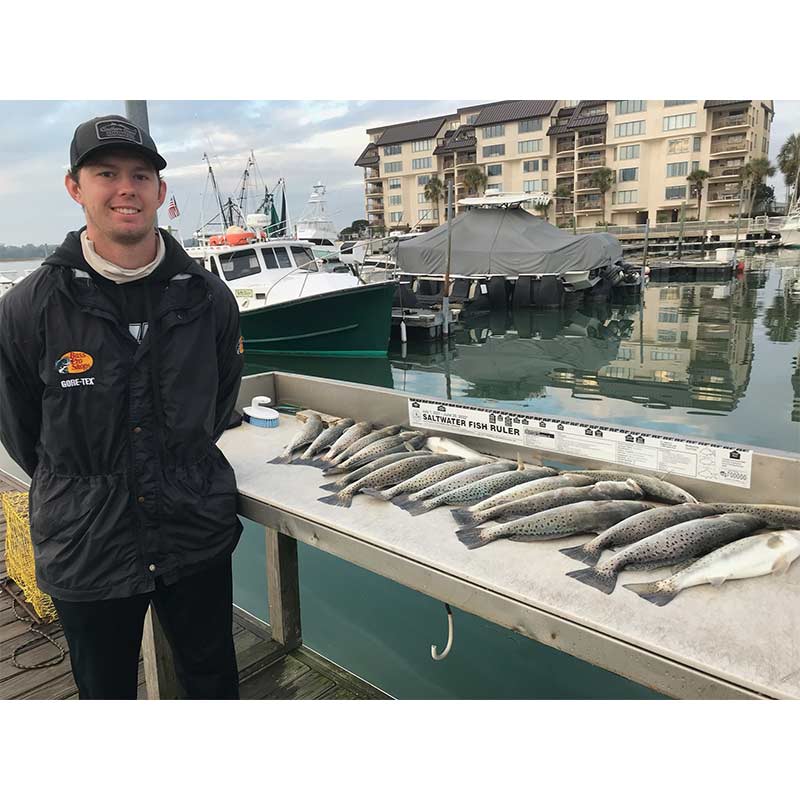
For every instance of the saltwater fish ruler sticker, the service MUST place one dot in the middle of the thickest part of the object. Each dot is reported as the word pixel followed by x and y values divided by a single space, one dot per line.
pixel 661 454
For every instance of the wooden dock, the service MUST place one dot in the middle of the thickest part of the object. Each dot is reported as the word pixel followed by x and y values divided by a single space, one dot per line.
pixel 267 670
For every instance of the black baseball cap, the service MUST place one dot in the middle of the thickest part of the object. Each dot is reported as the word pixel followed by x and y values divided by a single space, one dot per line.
pixel 111 131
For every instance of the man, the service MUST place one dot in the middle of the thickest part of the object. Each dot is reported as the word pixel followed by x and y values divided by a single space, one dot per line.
pixel 120 362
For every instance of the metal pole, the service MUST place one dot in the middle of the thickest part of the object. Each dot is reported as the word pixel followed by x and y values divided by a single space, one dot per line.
pixel 136 112
pixel 445 295
pixel 738 222
pixel 680 232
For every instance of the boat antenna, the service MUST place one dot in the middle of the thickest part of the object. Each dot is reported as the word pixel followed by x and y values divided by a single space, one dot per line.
pixel 243 192
pixel 216 191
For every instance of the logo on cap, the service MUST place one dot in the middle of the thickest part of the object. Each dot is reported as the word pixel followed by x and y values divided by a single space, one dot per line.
pixel 117 129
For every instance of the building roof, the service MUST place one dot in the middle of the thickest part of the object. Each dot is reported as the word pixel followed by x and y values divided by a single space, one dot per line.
pixel 462 138
pixel 588 120
pixel 510 110
pixel 576 117
pixel 560 128
pixel 410 131
pixel 715 103
pixel 369 158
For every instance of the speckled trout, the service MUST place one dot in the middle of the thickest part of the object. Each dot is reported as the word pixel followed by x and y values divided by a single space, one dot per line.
pixel 763 554
pixel 351 477
pixel 588 516
pixel 653 487
pixel 407 440
pixel 352 434
pixel 386 476
pixel 636 528
pixel 485 487
pixel 424 479
pixel 326 438
pixel 365 441
pixel 681 542
pixel 301 440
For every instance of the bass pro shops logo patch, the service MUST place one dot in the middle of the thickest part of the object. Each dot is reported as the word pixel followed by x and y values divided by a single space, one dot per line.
pixel 74 363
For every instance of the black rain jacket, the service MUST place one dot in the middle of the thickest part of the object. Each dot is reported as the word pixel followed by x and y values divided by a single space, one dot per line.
pixel 118 437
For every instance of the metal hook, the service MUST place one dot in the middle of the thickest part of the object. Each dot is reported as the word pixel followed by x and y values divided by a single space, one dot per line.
pixel 434 650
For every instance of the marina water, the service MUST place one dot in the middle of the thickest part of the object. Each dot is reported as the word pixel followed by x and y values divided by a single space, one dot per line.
pixel 715 359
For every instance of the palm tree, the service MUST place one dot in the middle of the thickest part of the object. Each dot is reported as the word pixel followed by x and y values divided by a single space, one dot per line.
pixel 753 173
pixel 696 178
pixel 603 179
pixel 434 192
pixel 474 178
pixel 545 208
pixel 789 162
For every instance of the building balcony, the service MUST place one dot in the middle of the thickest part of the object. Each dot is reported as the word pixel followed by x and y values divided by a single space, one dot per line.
pixel 373 189
pixel 591 139
pixel 448 162
pixel 718 173
pixel 591 163
pixel 375 208
pixel 723 197
pixel 466 158
pixel 375 217
pixel 728 145
pixel 589 205
pixel 721 120
pixel 565 145
pixel 372 172
pixel 565 165
pixel 585 183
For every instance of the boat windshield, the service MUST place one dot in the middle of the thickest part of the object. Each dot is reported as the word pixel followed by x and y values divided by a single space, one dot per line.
pixel 239 264
pixel 304 259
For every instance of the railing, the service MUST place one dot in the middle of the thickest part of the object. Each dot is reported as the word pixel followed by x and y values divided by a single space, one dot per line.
pixel 596 138
pixel 729 145
pixel 448 163
pixel 372 172
pixel 728 120
pixel 583 163
pixel 565 166
pixel 723 196
pixel 467 159
pixel 563 147
pixel 585 184
pixel 371 190
pixel 746 225
pixel 589 205
pixel 723 172
pixel 376 207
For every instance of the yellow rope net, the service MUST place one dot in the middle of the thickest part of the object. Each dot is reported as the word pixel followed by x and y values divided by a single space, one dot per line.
pixel 19 554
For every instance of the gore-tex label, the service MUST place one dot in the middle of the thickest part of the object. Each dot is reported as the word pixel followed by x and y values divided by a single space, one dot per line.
pixel 664 454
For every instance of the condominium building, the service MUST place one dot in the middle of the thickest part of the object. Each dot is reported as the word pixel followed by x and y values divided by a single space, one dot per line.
pixel 555 146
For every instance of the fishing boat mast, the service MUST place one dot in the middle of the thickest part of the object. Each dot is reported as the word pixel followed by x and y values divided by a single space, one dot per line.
pixel 225 222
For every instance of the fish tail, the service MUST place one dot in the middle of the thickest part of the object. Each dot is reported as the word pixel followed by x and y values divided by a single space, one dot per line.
pixel 415 507
pixel 374 493
pixel 473 538
pixel 399 499
pixel 651 592
pixel 333 486
pixel 591 577
pixel 280 460
pixel 463 516
pixel 581 554
pixel 333 471
pixel 337 500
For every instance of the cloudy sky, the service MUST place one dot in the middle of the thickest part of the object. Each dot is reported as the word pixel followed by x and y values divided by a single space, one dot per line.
pixel 302 141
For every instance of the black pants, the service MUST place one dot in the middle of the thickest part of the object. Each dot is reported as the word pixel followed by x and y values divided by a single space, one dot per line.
pixel 196 613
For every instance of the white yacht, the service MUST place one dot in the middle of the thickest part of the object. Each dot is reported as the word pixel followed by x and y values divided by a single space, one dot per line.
pixel 316 227
pixel 790 230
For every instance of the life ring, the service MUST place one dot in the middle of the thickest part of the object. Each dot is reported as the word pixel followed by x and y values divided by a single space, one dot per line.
pixel 233 238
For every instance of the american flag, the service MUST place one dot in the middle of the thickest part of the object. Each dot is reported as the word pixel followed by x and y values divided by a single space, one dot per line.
pixel 172 209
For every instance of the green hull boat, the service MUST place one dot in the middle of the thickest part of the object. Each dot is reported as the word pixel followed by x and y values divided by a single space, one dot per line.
pixel 347 322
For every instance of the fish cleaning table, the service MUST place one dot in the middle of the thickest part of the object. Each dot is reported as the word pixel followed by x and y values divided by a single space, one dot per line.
pixel 737 641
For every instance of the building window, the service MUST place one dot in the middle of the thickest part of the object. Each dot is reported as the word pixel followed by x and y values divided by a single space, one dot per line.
pixel 428 213
pixel 629 129
pixel 530 166
pixel 528 125
pixel 675 193
pixel 529 146
pixel 695 166
pixel 471 119
pixel 422 163
pixel 392 150
pixel 422 180
pixel 628 174
pixel 494 150
pixel 667 336
pixel 395 216
pixel 675 146
pixel 393 166
pixel 665 355
pixel 422 199
pixel 668 315
pixel 545 164
pixel 494 187
pixel 678 169
pixel 630 106
pixel 395 199
pixel 680 121
pixel 394 183
pixel 593 111
pixel 697 143
pixel 627 196
pixel 493 170
pixel 493 131
pixel 535 186
pixel 422 144
pixel 669 103
pixel 628 151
